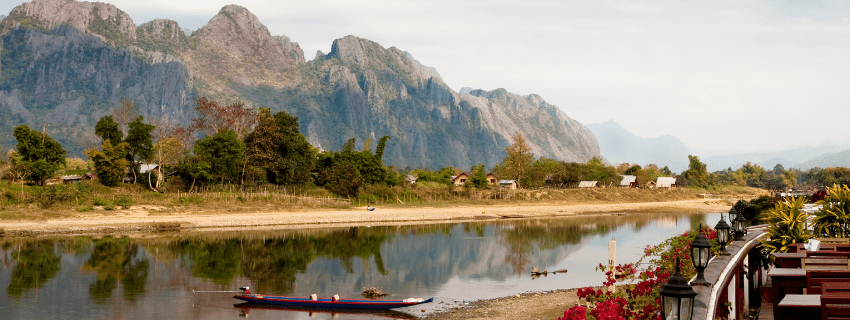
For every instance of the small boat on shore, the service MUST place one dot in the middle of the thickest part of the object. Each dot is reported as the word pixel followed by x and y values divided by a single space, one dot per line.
pixel 326 303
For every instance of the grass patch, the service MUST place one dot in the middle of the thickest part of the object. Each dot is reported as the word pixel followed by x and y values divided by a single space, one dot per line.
pixel 123 201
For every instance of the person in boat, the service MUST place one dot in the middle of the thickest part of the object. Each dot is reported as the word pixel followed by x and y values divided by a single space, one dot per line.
pixel 245 290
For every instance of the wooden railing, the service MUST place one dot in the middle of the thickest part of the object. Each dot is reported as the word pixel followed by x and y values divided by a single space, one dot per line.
pixel 736 280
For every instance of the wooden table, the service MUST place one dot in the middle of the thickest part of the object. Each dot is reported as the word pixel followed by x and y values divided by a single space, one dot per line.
pixel 786 279
pixel 789 259
pixel 798 306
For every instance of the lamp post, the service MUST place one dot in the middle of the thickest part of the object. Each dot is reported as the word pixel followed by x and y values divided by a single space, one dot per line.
pixel 733 214
pixel 700 255
pixel 722 235
pixel 677 298
pixel 739 224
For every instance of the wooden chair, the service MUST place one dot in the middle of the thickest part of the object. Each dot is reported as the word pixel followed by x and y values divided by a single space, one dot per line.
pixel 833 240
pixel 835 307
pixel 825 263
pixel 816 278
pixel 827 254
pixel 836 288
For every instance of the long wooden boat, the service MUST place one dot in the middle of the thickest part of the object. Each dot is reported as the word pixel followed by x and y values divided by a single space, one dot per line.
pixel 247 307
pixel 308 302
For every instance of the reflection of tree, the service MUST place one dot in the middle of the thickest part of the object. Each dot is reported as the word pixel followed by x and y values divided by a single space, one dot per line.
pixel 279 259
pixel 524 236
pixel 38 262
pixel 273 262
pixel 115 260
pixel 217 261
pixel 79 246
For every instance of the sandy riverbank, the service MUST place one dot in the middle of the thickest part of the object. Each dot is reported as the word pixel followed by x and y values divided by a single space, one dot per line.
pixel 146 219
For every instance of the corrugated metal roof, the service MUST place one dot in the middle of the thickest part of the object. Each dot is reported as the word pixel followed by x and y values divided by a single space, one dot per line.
pixel 665 182
pixel 627 180
pixel 507 181
pixel 587 184
pixel 147 167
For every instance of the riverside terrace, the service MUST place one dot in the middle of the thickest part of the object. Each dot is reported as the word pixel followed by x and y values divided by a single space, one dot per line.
pixel 801 285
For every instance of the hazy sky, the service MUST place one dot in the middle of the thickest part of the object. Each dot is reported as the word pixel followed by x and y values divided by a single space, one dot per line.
pixel 722 76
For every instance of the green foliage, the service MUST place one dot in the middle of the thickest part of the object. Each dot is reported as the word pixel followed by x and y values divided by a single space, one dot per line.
pixel 344 180
pixel 695 176
pixel 38 154
pixel 786 225
pixel 443 176
pixel 837 175
pixel 123 202
pixel 379 152
pixel 139 139
pixel 833 220
pixel 107 129
pixel 50 195
pixel 111 164
pixel 752 210
pixel 478 178
pixel 219 157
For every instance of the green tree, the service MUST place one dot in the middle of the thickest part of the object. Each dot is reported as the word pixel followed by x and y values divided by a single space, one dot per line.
pixel 478 178
pixel 140 144
pixel 297 157
pixel 518 159
pixel 223 153
pixel 38 153
pixel 108 129
pixel 261 145
pixel 110 164
pixel 345 180
pixel 696 175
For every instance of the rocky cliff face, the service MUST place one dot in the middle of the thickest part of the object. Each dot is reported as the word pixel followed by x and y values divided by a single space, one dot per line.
pixel 66 63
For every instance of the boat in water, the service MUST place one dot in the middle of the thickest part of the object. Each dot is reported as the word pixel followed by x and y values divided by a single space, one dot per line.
pixel 328 303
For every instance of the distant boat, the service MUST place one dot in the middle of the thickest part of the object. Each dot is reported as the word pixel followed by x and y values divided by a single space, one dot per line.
pixel 326 303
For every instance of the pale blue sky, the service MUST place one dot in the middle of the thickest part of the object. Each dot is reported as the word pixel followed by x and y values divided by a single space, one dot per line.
pixel 723 76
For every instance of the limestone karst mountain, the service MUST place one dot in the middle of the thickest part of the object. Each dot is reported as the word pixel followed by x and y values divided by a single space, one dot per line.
pixel 64 64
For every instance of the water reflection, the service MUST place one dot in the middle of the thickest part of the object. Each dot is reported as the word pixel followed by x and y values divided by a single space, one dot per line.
pixel 154 277
pixel 35 263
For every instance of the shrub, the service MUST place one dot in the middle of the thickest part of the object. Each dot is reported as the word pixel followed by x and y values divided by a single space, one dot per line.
pixel 123 202
pixel 84 209
pixel 98 201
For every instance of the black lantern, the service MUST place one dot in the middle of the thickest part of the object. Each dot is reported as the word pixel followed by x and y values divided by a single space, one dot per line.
pixel 740 224
pixel 700 255
pixel 733 214
pixel 677 298
pixel 722 235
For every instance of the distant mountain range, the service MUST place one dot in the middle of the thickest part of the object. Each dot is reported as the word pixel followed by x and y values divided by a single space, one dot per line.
pixel 618 146
pixel 800 158
pixel 66 63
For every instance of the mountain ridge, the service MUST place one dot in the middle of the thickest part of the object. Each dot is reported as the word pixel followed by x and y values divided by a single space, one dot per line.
pixel 360 89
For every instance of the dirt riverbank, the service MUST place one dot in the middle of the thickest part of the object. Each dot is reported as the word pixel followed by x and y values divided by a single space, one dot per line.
pixel 147 219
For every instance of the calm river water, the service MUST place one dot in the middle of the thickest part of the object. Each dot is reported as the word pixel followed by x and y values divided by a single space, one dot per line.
pixel 154 278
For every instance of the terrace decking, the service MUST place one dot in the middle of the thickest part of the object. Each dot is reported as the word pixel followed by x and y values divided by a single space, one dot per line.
pixel 808 285
pixel 801 285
